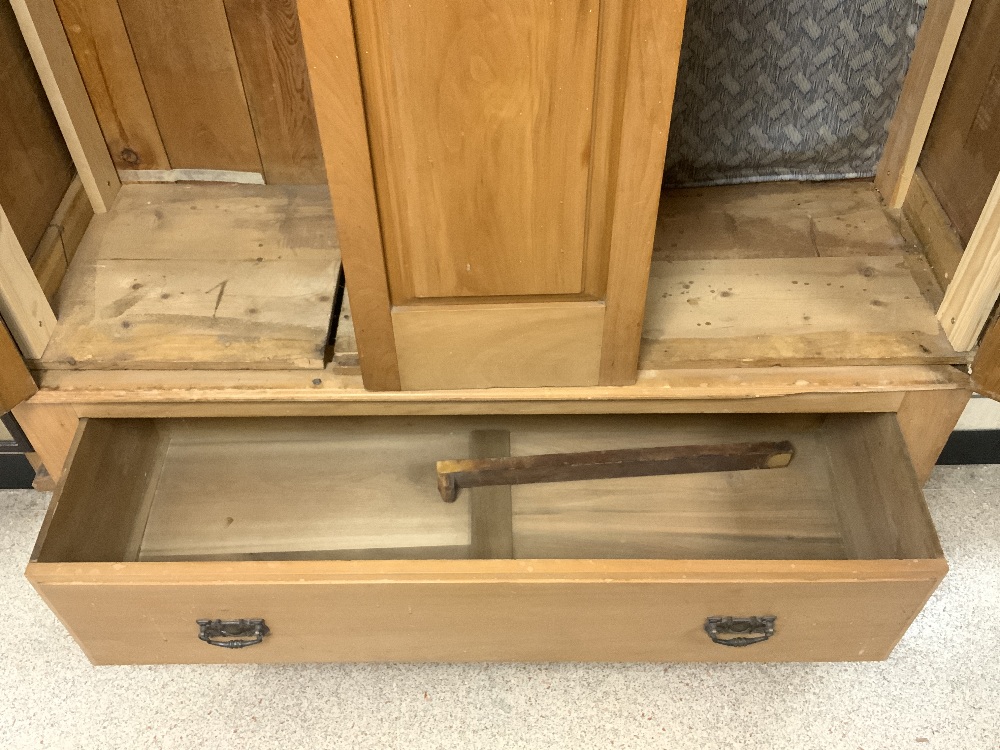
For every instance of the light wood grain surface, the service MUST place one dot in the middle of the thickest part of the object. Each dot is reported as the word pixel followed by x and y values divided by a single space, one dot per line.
pixel 486 346
pixel 43 32
pixel 273 69
pixel 51 430
pixel 188 65
pixel 356 484
pixel 776 220
pixel 223 275
pixel 103 52
pixel 23 304
pixel 463 610
pixel 391 621
pixel 653 31
pixel 346 486
pixel 927 421
pixel 279 393
pixel 789 310
pixel 483 118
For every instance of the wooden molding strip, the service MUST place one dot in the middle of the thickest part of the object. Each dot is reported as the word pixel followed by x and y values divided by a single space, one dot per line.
pixel 46 39
pixel 932 56
pixel 973 293
pixel 335 76
pixel 23 304
pixel 654 30
pixel 934 229
pixel 58 245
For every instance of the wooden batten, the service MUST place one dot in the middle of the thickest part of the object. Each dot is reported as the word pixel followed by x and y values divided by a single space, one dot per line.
pixel 332 56
pixel 23 304
pixel 53 57
pixel 935 49
pixel 934 229
pixel 654 32
pixel 55 252
pixel 974 291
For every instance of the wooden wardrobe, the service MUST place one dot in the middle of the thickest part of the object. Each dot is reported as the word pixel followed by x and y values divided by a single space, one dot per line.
pixel 264 265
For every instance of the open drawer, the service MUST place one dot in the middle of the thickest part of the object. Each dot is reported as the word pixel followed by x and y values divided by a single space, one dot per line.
pixel 333 533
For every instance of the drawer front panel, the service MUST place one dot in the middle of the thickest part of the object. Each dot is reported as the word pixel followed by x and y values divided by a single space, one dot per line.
pixel 150 623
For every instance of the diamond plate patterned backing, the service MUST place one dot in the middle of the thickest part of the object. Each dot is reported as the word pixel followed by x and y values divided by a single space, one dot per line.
pixel 787 89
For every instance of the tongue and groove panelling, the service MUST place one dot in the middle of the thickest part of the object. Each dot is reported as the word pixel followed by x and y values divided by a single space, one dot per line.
pixel 35 167
pixel 199 84
pixel 962 157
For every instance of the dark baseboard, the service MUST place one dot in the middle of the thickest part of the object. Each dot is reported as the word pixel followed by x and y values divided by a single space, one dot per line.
pixel 971 447
pixel 15 472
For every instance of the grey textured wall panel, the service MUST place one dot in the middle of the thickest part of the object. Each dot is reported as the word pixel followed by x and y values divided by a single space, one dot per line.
pixel 802 89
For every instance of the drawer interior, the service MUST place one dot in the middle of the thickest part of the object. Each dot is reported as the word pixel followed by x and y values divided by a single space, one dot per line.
pixel 357 488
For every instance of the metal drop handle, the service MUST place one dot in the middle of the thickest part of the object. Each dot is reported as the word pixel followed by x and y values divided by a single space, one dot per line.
pixel 739 631
pixel 232 633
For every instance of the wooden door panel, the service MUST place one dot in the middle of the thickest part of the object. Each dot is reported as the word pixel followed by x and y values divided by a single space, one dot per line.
pixel 481 117
pixel 961 158
pixel 508 158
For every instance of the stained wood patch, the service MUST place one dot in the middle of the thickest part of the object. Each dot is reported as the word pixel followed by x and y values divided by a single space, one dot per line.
pixel 793 274
pixel 816 311
pixel 202 276
pixel 776 220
